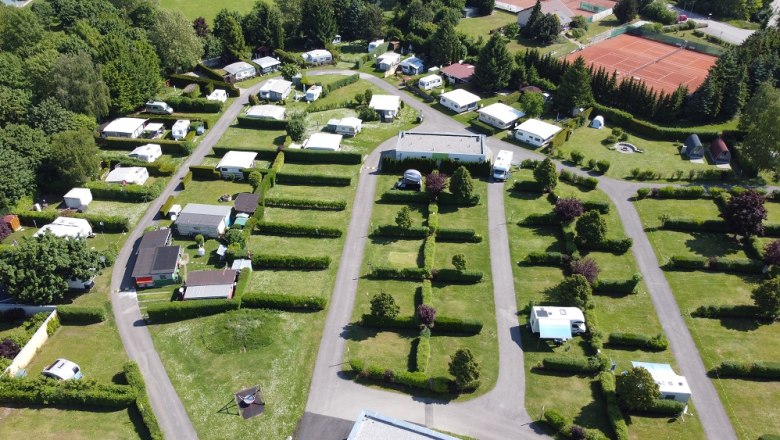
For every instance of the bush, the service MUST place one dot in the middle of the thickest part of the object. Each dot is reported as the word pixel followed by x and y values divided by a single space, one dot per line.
pixel 679 192
pixel 577 157
pixel 555 259
pixel 316 205
pixel 416 232
pixel 399 322
pixel 555 419
pixel 742 265
pixel 649 343
pixel 530 186
pixel 568 209
pixel 731 311
pixel 335 85
pixel 395 273
pixel 40 390
pixel 571 364
pixel 204 172
pixel 616 246
pixel 313 179
pixel 425 166
pixel 587 267
pixel 297 230
pixel 322 157
pixel 680 262
pixel 452 235
pixel 290 262
pixel 457 277
pixel 446 198
pixel 194 105
pixel 404 197
pixel 71 315
pixel 142 403
pixel 446 324
pixel 125 193
pixel 685 225
pixel 180 310
pixel 258 300
pixel 423 351
pixel 628 286
pixel 184 80
pixel 602 166
pixel 593 205
pixel 664 407
pixel 751 369
pixel 614 414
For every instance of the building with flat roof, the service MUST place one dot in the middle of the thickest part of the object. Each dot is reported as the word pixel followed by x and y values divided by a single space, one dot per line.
pixel 535 132
pixel 233 164
pixel 275 112
pixel 463 147
pixel 372 425
pixel 275 89
pixel 125 128
pixel 208 220
pixel 267 64
pixel 386 105
pixel 459 100
pixel 239 70
pixel 210 284
pixel 499 115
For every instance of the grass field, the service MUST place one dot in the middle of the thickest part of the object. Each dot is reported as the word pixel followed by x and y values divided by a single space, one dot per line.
pixel 481 26
pixel 55 424
pixel 205 8
pixel 579 397
pixel 724 339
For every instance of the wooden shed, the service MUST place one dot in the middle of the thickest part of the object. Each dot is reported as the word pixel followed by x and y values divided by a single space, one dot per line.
pixel 12 221
pixel 719 151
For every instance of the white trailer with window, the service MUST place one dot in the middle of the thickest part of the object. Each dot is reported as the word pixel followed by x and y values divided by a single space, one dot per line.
pixel 502 164
pixel 553 322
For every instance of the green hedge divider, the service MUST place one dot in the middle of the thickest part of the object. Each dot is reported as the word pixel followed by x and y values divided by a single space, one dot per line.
pixel 168 203
pixel 743 311
pixel 241 284
pixel 565 428
pixel 395 273
pixel 679 192
pixel 618 246
pixel 628 286
pixel 180 310
pixel 160 167
pixel 554 259
pixel 142 403
pixel 315 205
pixel 70 315
pixel 664 407
pixel 258 300
pixel 422 353
pixel 174 148
pixel 752 369
pixel 335 85
pixel 208 71
pixel 681 262
pixel 312 179
pixel 399 322
pixel 433 217
pixel 415 232
pixel 429 253
pixel 572 364
pixel 266 124
pixel 447 324
pixel 111 223
pixel 323 157
pixel 289 262
pixel 455 276
pixel 125 193
pixel 685 225
pixel 204 172
pixel 194 105
pixel 636 340
pixel 391 165
pixel 297 230
pixel 426 293
pixel 546 219
pixel 183 80
pixel 530 186
pixel 411 379
pixel 40 390
pixel 450 199
pixel 576 179
pixel 592 205
pixel 452 235
pixel 405 197
pixel 614 414
pixel 650 130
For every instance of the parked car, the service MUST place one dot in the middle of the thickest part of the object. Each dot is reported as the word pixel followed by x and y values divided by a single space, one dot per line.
pixel 63 369
pixel 412 180
pixel 158 108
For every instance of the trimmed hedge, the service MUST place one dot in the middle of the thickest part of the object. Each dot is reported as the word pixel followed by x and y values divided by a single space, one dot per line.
pixel 648 129
pixel 204 172
pixel 70 315
pixel 399 322
pixel 426 293
pixel 614 414
pixel 40 390
pixel 111 223
pixel 446 198
pixel 744 311
pixel 452 235
pixel 180 310
pixel 160 167
pixel 415 232
pixel 312 179
pixel 678 262
pixel 592 205
pixel 447 324
pixel 422 353
pixel 572 364
pixel 395 273
pixel 323 157
pixel 686 224
pixel 263 153
pixel 125 193
pixel 315 205
pixel 194 105
pixel 576 179
pixel 412 379
pixel 546 219
pixel 183 80
pixel 266 124
pixel 297 230
pixel 565 428
pixel 168 146
pixel 290 262
pixel 433 217
pixel 136 380
pixel 628 286
pixel 569 238
pixel 665 407
pixel 616 246
pixel 531 186
pixel 425 166
pixel 343 82
pixel 258 300
pixel 683 262
pixel 168 203
pixel 679 192
pixel 455 276
pixel 648 343
pixel 429 253
pixel 554 259
pixel 755 369
pixel 405 197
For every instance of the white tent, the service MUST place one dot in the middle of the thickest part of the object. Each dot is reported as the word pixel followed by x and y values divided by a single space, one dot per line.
pixel 323 141
pixel 67 227
pixel 597 122
pixel 78 198
pixel 147 153
pixel 128 175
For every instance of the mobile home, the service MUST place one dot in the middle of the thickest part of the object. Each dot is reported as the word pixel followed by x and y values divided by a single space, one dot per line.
pixel 459 100
pixel 535 132
pixel 500 115
pixel 430 82
pixel 180 129
pixel 553 322
pixel 502 164
pixel 147 153
pixel 233 163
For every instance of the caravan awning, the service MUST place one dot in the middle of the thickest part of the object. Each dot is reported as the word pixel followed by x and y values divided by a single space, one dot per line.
pixel 554 329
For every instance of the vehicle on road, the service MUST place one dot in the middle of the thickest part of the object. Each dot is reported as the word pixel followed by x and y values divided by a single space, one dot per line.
pixel 502 164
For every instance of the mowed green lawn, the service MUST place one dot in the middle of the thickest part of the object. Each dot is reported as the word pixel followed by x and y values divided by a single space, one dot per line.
pixel 56 424
pixel 206 8
pixel 719 339
pixel 579 397
pixel 392 349
pixel 477 26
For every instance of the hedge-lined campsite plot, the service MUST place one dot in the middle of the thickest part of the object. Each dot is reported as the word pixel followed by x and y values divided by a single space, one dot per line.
pixel 712 274
pixel 411 265
pixel 574 378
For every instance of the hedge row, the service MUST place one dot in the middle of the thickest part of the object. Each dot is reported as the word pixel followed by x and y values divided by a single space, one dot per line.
pixel 569 238
pixel 399 322
pixel 576 179
pixel 315 205
pixel 628 286
pixel 395 273
pixel 446 198
pixel 422 353
pixel 455 276
pixel 555 259
pixel 429 253
pixel 425 166
pixel 754 369
pixel 636 340
pixel 452 235
pixel 40 390
pixel 679 192
pixel 168 146
pixel 241 284
pixel 142 403
pixel 614 414
pixel 714 264
pixel 546 219
pixel 665 407
pixel 566 429
pixel 313 179
pixel 617 246
pixel 180 310
pixel 111 223
pixel 405 197
pixel 160 167
pixel 650 130
pixel 426 293
pixel 208 71
pixel 531 186
pixel 574 364
pixel 433 217
pixel 593 205
pixel 744 311
pixel 184 80
pixel 258 300
pixel 266 124
pixel 323 157
pixel 412 379
pixel 446 324
pixel 73 315
pixel 263 153
pixel 194 105
pixel 204 172
pixel 297 230
pixel 168 204
pixel 343 82
pixel 125 193
pixel 290 262
pixel 415 232
pixel 169 120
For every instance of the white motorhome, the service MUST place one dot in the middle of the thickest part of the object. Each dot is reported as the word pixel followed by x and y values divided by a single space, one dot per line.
pixel 313 93
pixel 429 82
pixel 158 108
pixel 81 285
pixel 180 129
pixel 502 164
pixel 553 322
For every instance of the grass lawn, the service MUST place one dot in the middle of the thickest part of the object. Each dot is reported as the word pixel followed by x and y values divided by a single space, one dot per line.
pixel 579 397
pixel 477 26
pixel 55 424
pixel 607 23
pixel 211 358
pixel 346 93
pixel 205 8
pixel 209 192
pixel 237 137
pixel 560 48
pixel 725 339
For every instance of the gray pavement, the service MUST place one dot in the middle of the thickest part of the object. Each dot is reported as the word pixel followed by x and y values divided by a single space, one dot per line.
pixel 724 31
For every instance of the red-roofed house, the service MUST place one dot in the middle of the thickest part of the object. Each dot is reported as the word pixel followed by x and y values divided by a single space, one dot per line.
pixel 719 152
pixel 460 73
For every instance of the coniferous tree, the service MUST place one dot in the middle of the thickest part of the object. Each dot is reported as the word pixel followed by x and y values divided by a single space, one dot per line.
pixel 494 66
pixel 318 22
pixel 574 90
pixel 447 48
pixel 529 30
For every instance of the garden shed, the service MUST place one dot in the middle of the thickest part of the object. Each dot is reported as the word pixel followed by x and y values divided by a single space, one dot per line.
pixel 246 203
pixel 693 148
pixel 78 198
pixel 12 221
pixel 719 151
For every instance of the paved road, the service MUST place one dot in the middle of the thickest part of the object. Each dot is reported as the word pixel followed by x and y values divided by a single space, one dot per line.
pixel 724 31
pixel 171 414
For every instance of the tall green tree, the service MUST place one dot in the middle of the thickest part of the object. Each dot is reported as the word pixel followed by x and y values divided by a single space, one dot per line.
pixel 767 298
pixel 371 22
pixel 17 179
pixel 130 69
pixel 484 7
pixel 291 12
pixel 318 22
pixel 32 144
pixel 626 10
pixel 494 66
pixel 51 117
pixel 574 291
pixel 532 104
pixel 761 122
pixel 20 28
pixel 465 369
pixel 36 271
pixel 76 84
pixel 221 26
pixel 232 39
pixel 591 227
pixel 14 105
pixel 546 175
pixel 461 183
pixel 383 306
pixel 529 29
pixel 546 30
pixel 12 71
pixel 445 47
pixel 264 25
pixel 574 90
pixel 75 158
pixel 636 389
pixel 175 41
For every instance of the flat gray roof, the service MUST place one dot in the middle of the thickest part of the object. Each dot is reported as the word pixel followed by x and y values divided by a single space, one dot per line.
pixel 463 143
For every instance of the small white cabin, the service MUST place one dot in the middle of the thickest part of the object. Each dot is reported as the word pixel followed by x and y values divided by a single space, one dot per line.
pixel 553 322
pixel 128 175
pixel 323 141
pixel 313 93
pixel 147 153
pixel 387 61
pixel 233 163
pixel 430 82
pixel 240 70
pixel 317 57
pixel 180 129
pixel 387 106
pixel 78 198
pixel 500 115
pixel 459 100
pixel 350 126
pixel 535 132
pixel 125 128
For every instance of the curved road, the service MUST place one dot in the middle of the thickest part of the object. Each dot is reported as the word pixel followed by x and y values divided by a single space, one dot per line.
pixel 499 414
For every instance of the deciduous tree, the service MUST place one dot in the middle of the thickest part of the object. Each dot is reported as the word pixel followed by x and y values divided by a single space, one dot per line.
pixel 130 69
pixel 50 117
pixel 574 291
pixel 459 261
pixel 586 267
pixel 264 25
pixel 767 298
pixel 436 183
pixel 201 27
pixel 626 10
pixel 32 144
pixel 772 253
pixel 532 104
pixel 591 228
pixel 318 22
pixel 465 369
pixel 567 209
pixel 383 306
pixel 175 40
pixel 76 84
pixel 17 183
pixel 296 126
pixel 445 47
pixel 636 389
pixel 75 159
pixel 426 314
pixel 371 22
pixel 745 213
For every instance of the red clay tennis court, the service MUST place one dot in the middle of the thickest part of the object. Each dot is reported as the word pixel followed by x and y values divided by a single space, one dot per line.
pixel 661 66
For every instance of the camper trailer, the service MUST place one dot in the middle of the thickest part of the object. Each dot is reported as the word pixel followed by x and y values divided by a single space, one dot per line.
pixel 158 108
pixel 502 164
pixel 313 93
pixel 560 323
pixel 180 129
pixel 429 82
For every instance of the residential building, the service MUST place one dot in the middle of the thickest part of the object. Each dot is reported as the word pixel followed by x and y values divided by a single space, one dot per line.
pixel 317 57
pixel 535 132
pixel 671 386
pixel 387 61
pixel 349 126
pixel 460 73
pixel 68 227
pixel 207 220
pixel 157 262
pixel 499 115
pixel 373 426
pixel 147 153
pixel 412 66
pixel 323 141
pixel 459 100
pixel 459 147
pixel 233 164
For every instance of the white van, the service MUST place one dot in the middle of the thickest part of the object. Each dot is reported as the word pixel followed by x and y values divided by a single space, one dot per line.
pixel 502 164
pixel 429 82
pixel 158 108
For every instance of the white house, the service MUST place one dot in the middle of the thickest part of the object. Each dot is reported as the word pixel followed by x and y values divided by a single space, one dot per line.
pixel 240 70
pixel 412 66
pixel 78 198
pixel 459 100
pixel 275 89
pixel 672 386
pixel 208 220
pixel 429 82
pixel 125 128
pixel 387 61
pixel 323 141
pixel 350 126
pixel 461 147
pixel 374 44
pixel 210 284
pixel 536 132
pixel 313 93
pixel 217 95
pixel 266 112
pixel 233 162
pixel 317 56
pixel 552 322
pixel 499 115
pixel 128 175
pixel 386 105
pixel 180 129
pixel 267 64
pixel 68 227
pixel 147 153
pixel 372 426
